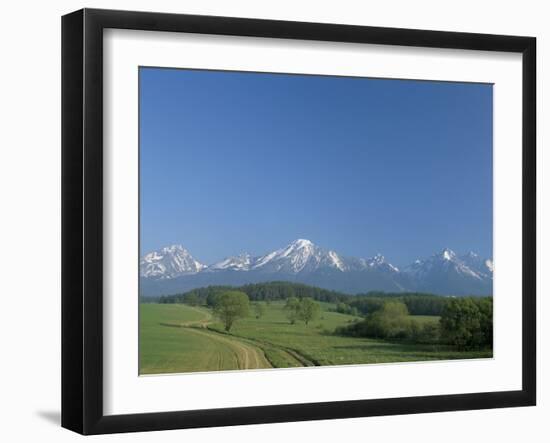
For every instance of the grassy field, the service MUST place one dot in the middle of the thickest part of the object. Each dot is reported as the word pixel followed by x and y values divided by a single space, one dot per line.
pixel 174 338
pixel 180 338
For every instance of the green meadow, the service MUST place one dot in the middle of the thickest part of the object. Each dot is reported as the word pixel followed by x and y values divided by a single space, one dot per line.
pixel 180 338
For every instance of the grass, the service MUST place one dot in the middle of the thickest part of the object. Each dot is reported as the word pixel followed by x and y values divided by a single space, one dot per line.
pixel 172 339
pixel 180 338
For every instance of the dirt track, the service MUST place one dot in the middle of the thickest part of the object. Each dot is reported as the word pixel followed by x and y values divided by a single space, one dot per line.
pixel 247 356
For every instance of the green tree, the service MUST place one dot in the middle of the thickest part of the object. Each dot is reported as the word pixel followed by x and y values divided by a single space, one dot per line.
pixel 211 298
pixel 231 306
pixel 259 310
pixel 308 310
pixel 423 332
pixel 467 323
pixel 292 309
pixel 391 320
pixel 192 299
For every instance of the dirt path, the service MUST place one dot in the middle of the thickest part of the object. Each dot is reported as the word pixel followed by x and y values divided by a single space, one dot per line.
pixel 247 356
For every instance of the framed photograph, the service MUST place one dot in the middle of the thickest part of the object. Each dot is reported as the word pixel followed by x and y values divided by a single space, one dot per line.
pixel 268 221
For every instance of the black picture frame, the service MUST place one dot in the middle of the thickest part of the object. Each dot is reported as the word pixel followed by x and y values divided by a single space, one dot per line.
pixel 82 218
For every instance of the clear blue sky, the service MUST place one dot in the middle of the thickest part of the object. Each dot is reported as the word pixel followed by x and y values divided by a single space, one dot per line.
pixel 233 162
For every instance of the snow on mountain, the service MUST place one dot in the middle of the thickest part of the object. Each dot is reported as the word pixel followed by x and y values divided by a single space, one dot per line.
pixel 483 267
pixel 444 261
pixel 299 256
pixel 303 261
pixel 240 262
pixel 379 262
pixel 446 272
pixel 169 262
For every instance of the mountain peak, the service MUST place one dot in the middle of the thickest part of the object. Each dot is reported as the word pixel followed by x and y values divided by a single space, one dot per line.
pixel 302 243
pixel 169 262
pixel 173 249
pixel 301 255
pixel 447 254
pixel 239 262
pixel 379 258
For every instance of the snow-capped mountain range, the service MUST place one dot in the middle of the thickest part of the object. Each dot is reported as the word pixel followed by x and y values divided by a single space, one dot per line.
pixel 169 262
pixel 174 269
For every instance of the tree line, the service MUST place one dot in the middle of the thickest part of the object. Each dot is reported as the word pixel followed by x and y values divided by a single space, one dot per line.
pixel 417 303
pixel 361 304
pixel 269 291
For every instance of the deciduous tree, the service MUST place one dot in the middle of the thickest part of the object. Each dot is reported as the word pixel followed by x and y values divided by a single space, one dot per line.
pixel 292 309
pixel 308 310
pixel 231 306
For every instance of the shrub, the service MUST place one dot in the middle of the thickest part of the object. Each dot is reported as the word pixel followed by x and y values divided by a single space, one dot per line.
pixel 390 321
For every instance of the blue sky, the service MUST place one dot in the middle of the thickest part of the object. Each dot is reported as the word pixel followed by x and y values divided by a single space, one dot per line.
pixel 233 162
